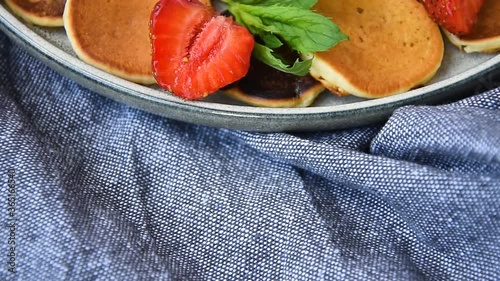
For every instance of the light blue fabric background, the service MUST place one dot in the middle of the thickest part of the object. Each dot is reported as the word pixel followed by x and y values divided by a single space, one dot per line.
pixel 107 192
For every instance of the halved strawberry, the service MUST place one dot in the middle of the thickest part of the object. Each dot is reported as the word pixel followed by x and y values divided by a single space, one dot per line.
pixel 456 16
pixel 195 50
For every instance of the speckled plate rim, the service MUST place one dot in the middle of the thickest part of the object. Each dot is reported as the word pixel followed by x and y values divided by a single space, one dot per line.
pixel 233 116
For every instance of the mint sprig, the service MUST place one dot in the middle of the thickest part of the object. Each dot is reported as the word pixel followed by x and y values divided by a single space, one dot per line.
pixel 287 22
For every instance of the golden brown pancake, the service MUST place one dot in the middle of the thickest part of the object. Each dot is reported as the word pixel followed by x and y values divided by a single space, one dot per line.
pixel 39 12
pixel 267 87
pixel 112 35
pixel 393 47
pixel 485 35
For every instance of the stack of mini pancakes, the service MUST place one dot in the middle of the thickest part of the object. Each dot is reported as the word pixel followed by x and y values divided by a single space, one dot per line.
pixel 393 46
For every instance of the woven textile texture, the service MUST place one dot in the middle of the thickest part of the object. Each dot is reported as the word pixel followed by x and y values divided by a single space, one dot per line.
pixel 107 192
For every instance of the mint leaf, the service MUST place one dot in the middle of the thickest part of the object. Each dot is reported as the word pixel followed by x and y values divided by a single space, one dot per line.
pixel 287 22
pixel 305 4
pixel 271 40
pixel 253 23
pixel 302 30
pixel 267 56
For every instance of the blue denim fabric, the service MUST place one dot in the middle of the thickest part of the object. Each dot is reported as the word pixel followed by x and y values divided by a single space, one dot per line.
pixel 107 192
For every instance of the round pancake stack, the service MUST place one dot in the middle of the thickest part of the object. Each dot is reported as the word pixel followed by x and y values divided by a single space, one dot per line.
pixel 485 35
pixel 393 47
pixel 112 35
pixel 41 12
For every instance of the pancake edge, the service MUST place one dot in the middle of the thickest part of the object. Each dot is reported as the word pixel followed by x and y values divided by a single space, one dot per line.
pixel 338 84
pixel 485 45
pixel 304 100
pixel 33 18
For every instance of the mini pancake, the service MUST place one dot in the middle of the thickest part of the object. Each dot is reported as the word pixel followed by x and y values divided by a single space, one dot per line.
pixel 485 35
pixel 393 47
pixel 42 12
pixel 265 86
pixel 112 35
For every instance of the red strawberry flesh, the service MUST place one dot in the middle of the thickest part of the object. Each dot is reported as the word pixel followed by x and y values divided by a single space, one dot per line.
pixel 195 51
pixel 456 16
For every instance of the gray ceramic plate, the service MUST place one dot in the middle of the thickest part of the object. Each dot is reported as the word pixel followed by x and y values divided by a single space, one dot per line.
pixel 459 75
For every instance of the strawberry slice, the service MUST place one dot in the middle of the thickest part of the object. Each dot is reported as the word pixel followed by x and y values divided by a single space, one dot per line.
pixel 195 50
pixel 456 16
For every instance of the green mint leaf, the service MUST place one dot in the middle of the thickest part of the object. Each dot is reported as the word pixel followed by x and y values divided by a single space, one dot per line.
pixel 304 4
pixel 256 27
pixel 253 23
pixel 267 56
pixel 285 22
pixel 302 30
pixel 271 40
